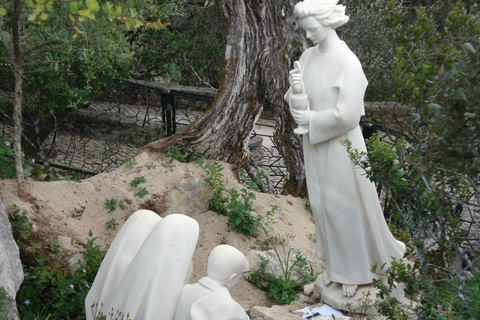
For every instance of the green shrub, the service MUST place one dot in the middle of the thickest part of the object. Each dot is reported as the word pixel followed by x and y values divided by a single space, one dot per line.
pixel 283 289
pixel 429 174
pixel 236 205
pixel 50 291
pixel 7 163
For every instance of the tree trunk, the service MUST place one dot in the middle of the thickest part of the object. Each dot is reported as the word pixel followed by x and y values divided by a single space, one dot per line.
pixel 261 46
pixel 18 98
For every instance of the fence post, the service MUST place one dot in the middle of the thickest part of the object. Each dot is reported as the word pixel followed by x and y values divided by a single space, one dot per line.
pixel 168 113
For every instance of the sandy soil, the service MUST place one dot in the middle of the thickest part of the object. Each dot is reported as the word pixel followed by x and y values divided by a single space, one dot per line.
pixel 67 211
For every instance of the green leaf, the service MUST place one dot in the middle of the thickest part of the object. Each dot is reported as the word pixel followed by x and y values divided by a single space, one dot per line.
pixel 32 16
pixel 93 5
pixel 74 7
pixel 3 11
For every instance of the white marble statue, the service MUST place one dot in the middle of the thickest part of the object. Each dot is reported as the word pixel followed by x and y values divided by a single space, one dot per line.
pixel 147 281
pixel 352 234
pixel 148 265
pixel 209 298
pixel 119 256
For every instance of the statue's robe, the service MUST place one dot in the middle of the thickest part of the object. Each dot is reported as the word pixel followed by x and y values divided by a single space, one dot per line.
pixel 119 256
pixel 207 300
pixel 149 286
pixel 352 234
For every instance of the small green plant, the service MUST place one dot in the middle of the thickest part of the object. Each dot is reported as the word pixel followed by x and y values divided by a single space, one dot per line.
pixel 135 182
pixel 110 204
pixel 223 240
pixel 306 200
pixel 366 303
pixel 215 181
pixel 234 204
pixel 111 224
pixel 97 312
pixel 283 289
pixel 151 166
pixel 122 205
pixel 142 192
pixel 255 183
pixel 239 211
pixel 176 154
pixel 130 162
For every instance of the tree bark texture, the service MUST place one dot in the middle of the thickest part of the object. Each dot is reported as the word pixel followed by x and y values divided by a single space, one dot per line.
pixel 262 44
pixel 18 98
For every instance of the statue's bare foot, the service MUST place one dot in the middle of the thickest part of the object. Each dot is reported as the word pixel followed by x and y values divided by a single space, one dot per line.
pixel 349 289
pixel 326 279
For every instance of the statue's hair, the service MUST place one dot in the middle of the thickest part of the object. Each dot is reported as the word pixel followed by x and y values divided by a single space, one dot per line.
pixel 326 12
pixel 225 260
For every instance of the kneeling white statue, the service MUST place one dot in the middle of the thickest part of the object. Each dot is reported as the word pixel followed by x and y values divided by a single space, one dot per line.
pixel 147 266
pixel 209 298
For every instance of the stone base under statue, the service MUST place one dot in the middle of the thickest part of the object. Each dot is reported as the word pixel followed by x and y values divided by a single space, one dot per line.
pixel 363 301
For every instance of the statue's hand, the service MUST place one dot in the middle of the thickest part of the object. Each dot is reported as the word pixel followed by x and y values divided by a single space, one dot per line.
pixel 296 79
pixel 301 117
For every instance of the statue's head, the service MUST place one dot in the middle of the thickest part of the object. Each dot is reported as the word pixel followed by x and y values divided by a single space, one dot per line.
pixel 226 264
pixel 327 12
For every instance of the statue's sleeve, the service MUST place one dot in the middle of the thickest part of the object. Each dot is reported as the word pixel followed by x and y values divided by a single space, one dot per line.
pixel 344 116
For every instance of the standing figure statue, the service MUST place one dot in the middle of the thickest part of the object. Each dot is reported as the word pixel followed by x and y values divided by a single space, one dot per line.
pixel 327 88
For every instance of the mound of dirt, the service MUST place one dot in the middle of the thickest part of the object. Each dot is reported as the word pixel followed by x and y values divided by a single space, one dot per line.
pixel 67 211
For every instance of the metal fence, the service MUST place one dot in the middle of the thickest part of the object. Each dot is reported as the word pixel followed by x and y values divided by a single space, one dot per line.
pixel 101 135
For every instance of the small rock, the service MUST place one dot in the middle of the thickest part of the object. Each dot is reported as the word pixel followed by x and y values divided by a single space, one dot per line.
pixel 191 196
pixel 74 262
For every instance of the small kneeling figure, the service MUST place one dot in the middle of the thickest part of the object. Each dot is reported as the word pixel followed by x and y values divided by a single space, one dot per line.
pixel 209 298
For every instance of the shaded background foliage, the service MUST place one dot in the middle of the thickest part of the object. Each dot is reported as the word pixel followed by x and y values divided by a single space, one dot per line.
pixel 189 52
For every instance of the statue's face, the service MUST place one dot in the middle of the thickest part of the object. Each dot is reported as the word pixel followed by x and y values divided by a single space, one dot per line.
pixel 314 30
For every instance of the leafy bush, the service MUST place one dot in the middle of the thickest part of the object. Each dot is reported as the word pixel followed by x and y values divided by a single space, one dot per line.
pixel 456 297
pixel 430 174
pixel 215 181
pixel 239 211
pixel 236 205
pixel 7 164
pixel 365 35
pixel 48 289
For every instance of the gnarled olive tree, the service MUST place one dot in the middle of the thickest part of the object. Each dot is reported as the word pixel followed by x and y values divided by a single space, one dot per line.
pixel 262 43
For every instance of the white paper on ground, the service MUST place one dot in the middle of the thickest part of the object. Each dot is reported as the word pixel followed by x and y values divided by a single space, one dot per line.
pixel 324 310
